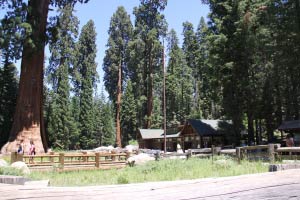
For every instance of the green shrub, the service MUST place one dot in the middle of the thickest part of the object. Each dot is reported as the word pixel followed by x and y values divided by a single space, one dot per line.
pixel 10 171
pixel 122 180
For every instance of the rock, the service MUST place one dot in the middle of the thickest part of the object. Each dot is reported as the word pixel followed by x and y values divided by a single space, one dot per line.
pixel 21 166
pixel 140 159
pixel 179 149
pixel 131 148
pixel 104 149
pixel 3 163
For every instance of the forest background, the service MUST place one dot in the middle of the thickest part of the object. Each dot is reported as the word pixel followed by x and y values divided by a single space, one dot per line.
pixel 241 63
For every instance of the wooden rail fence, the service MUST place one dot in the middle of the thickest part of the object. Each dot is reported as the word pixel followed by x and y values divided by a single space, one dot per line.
pixel 269 152
pixel 85 160
pixel 73 161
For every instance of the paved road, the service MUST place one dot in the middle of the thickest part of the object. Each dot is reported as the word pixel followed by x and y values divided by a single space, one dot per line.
pixel 276 185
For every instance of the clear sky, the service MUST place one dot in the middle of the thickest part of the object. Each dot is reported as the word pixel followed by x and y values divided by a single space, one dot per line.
pixel 176 12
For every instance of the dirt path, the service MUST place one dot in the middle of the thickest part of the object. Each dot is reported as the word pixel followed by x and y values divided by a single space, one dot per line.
pixel 277 185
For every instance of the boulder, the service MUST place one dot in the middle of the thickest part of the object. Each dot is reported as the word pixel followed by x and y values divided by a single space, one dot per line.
pixel 104 149
pixel 140 159
pixel 131 148
pixel 3 163
pixel 21 166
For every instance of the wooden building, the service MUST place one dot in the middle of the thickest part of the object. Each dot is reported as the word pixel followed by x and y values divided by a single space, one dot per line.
pixel 194 134
pixel 154 139
pixel 291 127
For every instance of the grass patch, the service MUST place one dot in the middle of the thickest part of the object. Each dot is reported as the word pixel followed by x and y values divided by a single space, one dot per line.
pixel 10 171
pixel 165 170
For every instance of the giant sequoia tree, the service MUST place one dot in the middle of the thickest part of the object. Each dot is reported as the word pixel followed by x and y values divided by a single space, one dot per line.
pixel 145 54
pixel 115 63
pixel 28 119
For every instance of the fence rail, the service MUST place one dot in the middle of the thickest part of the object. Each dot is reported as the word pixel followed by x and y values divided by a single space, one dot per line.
pixel 72 161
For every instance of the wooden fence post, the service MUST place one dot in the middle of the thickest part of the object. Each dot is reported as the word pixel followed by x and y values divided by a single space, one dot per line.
pixel 189 154
pixel 51 158
pixel 13 157
pixel 61 160
pixel 84 157
pixel 97 160
pixel 238 154
pixel 113 157
pixel 271 151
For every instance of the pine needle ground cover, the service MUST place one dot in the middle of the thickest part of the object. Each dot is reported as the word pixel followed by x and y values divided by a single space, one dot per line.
pixel 164 170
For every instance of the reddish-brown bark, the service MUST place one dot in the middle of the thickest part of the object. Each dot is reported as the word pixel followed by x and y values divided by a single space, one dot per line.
pixel 119 94
pixel 150 92
pixel 28 119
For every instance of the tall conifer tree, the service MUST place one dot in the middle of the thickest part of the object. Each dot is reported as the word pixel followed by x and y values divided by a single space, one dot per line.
pixel 115 62
pixel 87 76
pixel 145 63
pixel 61 61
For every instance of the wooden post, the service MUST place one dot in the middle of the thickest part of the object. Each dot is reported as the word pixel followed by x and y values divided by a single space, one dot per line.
pixel 51 158
pixel 212 152
pixel 113 157
pixel 84 157
pixel 238 154
pixel 189 154
pixel 61 160
pixel 271 151
pixel 13 157
pixel 97 160
pixel 19 157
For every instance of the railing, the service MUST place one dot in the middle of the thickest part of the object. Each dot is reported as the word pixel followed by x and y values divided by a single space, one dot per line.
pixel 65 161
pixel 269 152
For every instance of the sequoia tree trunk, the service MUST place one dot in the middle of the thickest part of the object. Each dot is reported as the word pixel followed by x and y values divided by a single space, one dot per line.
pixel 28 118
pixel 150 92
pixel 119 93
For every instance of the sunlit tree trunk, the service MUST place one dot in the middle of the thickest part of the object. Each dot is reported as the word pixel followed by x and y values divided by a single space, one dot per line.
pixel 28 119
pixel 118 123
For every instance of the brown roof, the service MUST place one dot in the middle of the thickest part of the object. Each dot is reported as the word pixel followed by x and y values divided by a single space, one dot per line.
pixel 289 125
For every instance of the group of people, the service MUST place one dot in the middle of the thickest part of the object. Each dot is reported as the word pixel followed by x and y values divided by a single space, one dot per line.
pixel 31 150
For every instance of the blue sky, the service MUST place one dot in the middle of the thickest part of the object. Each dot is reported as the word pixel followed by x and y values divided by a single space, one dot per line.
pixel 176 12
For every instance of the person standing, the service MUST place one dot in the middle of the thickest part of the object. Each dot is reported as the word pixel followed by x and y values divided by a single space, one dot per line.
pixel 31 151
pixel 21 148
pixel 290 140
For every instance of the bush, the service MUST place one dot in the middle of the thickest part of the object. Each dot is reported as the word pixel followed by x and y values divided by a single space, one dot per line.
pixel 10 171
pixel 122 180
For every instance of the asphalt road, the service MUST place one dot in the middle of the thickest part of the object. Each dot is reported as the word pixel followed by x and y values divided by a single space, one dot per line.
pixel 274 185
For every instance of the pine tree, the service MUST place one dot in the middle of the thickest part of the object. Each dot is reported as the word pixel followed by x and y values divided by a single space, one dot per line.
pixel 179 85
pixel 104 121
pixel 145 53
pixel 86 70
pixel 208 91
pixel 128 115
pixel 115 62
pixel 190 48
pixel 61 60
pixel 8 96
